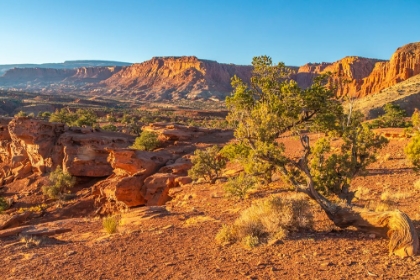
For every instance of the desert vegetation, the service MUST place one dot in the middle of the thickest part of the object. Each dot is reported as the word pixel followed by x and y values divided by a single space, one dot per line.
pixel 59 182
pixel 271 107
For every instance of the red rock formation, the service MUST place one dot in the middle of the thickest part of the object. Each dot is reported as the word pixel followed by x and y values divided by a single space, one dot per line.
pixel 93 74
pixel 178 77
pixel 30 146
pixel 365 76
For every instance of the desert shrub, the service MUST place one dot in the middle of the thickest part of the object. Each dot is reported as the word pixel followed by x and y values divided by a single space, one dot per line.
pixel 240 185
pixel 21 114
pixel 207 164
pixel 250 241
pixel 417 185
pixel 394 117
pixel 147 141
pixel 109 127
pixel 3 204
pixel 226 235
pixel 361 192
pixel 30 240
pixel 58 183
pixel 44 115
pixel 269 218
pixel 79 118
pixel 110 224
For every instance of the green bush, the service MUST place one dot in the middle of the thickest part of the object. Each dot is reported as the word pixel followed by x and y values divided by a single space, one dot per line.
pixel 3 204
pixel 147 141
pixel 394 117
pixel 240 185
pixel 59 183
pixel 109 127
pixel 412 150
pixel 79 118
pixel 207 164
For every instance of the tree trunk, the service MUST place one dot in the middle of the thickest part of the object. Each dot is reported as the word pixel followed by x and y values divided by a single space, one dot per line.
pixel 396 225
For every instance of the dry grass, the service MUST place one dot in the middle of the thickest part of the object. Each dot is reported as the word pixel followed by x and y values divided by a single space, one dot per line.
pixel 361 192
pixel 417 185
pixel 30 240
pixel 110 224
pixel 271 218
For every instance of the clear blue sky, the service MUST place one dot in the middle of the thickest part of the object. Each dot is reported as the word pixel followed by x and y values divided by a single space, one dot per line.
pixel 229 31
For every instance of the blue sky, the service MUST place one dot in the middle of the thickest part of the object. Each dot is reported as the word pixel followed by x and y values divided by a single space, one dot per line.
pixel 229 31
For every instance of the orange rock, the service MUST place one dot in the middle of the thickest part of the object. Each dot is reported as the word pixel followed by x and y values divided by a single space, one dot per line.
pixel 156 188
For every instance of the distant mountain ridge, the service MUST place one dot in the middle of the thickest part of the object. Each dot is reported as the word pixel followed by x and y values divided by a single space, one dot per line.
pixel 68 64
pixel 188 77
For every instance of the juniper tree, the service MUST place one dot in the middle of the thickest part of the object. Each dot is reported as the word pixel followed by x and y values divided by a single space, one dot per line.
pixel 272 106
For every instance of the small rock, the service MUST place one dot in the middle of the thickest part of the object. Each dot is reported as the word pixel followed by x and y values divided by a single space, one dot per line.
pixel 169 264
pixel 372 236
pixel 69 253
pixel 326 264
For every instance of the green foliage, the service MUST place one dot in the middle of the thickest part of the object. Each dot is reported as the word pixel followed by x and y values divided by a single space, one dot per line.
pixel 207 164
pixel 21 114
pixel 110 224
pixel 147 141
pixel 79 118
pixel 59 183
pixel 3 204
pixel 272 106
pixel 240 185
pixel 109 127
pixel 44 115
pixel 393 117
pixel 333 171
pixel 412 150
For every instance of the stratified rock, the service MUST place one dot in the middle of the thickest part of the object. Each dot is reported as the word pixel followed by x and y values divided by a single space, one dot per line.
pixel 84 152
pixel 176 132
pixel 163 78
pixel 29 145
pixel 134 162
pixel 156 188
pixel 358 76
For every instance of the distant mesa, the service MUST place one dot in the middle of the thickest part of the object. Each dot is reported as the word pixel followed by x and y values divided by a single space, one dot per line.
pixel 188 77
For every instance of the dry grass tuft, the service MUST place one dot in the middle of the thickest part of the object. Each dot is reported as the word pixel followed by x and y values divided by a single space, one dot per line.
pixel 110 224
pixel 267 219
pixel 417 185
pixel 361 192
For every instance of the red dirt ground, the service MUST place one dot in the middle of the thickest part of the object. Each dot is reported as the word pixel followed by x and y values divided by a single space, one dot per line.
pixel 181 245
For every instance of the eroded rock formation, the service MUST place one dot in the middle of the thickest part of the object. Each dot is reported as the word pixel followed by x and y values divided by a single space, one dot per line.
pixel 178 77
pixel 31 148
pixel 358 76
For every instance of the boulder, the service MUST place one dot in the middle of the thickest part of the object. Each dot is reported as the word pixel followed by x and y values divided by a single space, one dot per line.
pixel 156 188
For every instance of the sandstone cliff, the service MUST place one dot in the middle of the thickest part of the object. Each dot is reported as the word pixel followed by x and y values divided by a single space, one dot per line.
pixel 365 76
pixel 178 77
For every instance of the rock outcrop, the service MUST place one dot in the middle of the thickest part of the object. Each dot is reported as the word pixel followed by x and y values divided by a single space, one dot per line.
pixel 30 146
pixel 163 78
pixel 358 76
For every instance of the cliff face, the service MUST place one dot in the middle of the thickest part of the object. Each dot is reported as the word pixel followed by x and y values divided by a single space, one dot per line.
pixel 365 76
pixel 178 77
